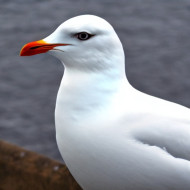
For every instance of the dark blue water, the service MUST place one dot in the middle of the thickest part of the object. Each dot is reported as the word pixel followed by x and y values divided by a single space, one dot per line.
pixel 155 35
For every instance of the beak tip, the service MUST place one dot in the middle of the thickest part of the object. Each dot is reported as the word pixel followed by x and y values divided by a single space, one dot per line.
pixel 26 49
pixel 33 48
pixel 23 54
pixel 23 51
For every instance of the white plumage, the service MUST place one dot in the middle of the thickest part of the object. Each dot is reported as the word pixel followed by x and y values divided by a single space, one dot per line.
pixel 111 136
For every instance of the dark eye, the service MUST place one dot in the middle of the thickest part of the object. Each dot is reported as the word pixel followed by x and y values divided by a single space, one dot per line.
pixel 83 36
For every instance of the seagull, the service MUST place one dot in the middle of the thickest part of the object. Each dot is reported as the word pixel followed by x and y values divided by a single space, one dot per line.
pixel 110 135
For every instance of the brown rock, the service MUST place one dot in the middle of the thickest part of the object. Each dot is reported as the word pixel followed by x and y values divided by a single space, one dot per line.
pixel 21 169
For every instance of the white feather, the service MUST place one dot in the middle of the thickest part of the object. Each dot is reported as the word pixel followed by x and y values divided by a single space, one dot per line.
pixel 111 136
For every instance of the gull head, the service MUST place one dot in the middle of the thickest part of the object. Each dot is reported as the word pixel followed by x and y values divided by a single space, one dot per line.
pixel 85 42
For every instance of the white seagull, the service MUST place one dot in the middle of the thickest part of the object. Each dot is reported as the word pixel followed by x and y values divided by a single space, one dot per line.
pixel 111 136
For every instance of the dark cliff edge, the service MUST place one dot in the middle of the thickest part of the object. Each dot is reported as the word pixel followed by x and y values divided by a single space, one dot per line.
pixel 21 169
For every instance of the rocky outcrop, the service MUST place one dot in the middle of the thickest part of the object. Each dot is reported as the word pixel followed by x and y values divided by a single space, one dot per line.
pixel 21 169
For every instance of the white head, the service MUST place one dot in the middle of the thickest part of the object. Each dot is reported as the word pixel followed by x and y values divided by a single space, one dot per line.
pixel 83 43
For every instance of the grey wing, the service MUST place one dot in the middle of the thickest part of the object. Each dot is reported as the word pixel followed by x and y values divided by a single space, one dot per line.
pixel 170 134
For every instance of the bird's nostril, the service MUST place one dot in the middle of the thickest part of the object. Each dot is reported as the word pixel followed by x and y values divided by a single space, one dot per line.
pixel 35 47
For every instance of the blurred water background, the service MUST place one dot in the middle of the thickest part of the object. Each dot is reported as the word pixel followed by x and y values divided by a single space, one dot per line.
pixel 155 35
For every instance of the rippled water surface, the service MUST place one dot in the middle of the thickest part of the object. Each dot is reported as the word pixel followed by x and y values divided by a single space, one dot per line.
pixel 155 35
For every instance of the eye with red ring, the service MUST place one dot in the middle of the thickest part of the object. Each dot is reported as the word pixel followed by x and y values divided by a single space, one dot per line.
pixel 83 36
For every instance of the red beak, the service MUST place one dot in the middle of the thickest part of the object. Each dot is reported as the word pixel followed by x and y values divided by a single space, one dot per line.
pixel 37 47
